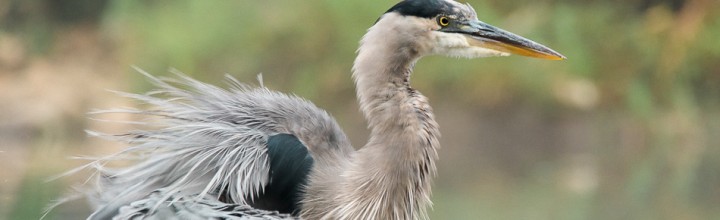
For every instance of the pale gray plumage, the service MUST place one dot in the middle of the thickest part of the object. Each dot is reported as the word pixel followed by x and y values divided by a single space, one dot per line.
pixel 184 208
pixel 203 151
pixel 206 140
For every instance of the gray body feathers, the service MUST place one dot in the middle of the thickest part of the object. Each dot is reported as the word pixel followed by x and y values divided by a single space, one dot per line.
pixel 202 142
pixel 203 154
pixel 186 208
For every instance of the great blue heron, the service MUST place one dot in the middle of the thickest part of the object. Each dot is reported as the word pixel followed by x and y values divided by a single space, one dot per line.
pixel 251 152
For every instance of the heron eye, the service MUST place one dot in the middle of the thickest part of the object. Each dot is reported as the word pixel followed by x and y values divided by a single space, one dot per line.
pixel 443 21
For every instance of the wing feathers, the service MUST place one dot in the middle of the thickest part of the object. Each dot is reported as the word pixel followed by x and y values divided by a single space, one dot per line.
pixel 199 141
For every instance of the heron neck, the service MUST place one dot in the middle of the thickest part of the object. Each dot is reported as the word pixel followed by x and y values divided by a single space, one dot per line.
pixel 381 85
pixel 395 167
pixel 392 108
pixel 382 71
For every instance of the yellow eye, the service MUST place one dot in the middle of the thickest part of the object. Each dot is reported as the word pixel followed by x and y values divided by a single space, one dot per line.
pixel 443 21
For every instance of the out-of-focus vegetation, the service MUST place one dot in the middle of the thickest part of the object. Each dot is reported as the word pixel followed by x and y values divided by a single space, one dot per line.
pixel 626 128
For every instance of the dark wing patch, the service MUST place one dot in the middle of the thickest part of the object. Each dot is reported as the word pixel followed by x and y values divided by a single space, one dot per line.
pixel 290 164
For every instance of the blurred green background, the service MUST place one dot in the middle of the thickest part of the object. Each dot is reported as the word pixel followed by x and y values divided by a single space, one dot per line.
pixel 627 128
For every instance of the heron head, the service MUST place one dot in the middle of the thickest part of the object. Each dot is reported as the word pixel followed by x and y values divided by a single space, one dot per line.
pixel 446 27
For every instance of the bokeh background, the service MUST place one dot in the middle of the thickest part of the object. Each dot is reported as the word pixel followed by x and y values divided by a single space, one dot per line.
pixel 627 128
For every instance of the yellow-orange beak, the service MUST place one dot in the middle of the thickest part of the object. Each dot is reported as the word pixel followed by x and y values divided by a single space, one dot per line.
pixel 483 35
pixel 519 49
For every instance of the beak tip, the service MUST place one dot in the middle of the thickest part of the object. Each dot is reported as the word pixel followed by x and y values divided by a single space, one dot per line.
pixel 558 56
pixel 555 56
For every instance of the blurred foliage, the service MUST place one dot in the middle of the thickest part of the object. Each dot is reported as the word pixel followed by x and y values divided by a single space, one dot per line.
pixel 639 92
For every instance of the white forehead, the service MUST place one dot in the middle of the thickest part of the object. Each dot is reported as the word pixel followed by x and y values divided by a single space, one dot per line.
pixel 464 10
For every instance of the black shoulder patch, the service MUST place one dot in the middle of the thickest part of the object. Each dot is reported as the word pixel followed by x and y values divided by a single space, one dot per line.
pixel 421 8
pixel 290 164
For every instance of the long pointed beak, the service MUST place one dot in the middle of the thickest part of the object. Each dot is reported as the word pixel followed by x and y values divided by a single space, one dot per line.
pixel 487 36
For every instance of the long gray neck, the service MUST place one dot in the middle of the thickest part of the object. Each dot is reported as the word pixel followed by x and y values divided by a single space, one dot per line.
pixel 396 166
pixel 382 80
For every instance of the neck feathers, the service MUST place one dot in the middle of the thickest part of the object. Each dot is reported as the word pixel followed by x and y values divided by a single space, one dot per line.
pixel 383 66
pixel 390 177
